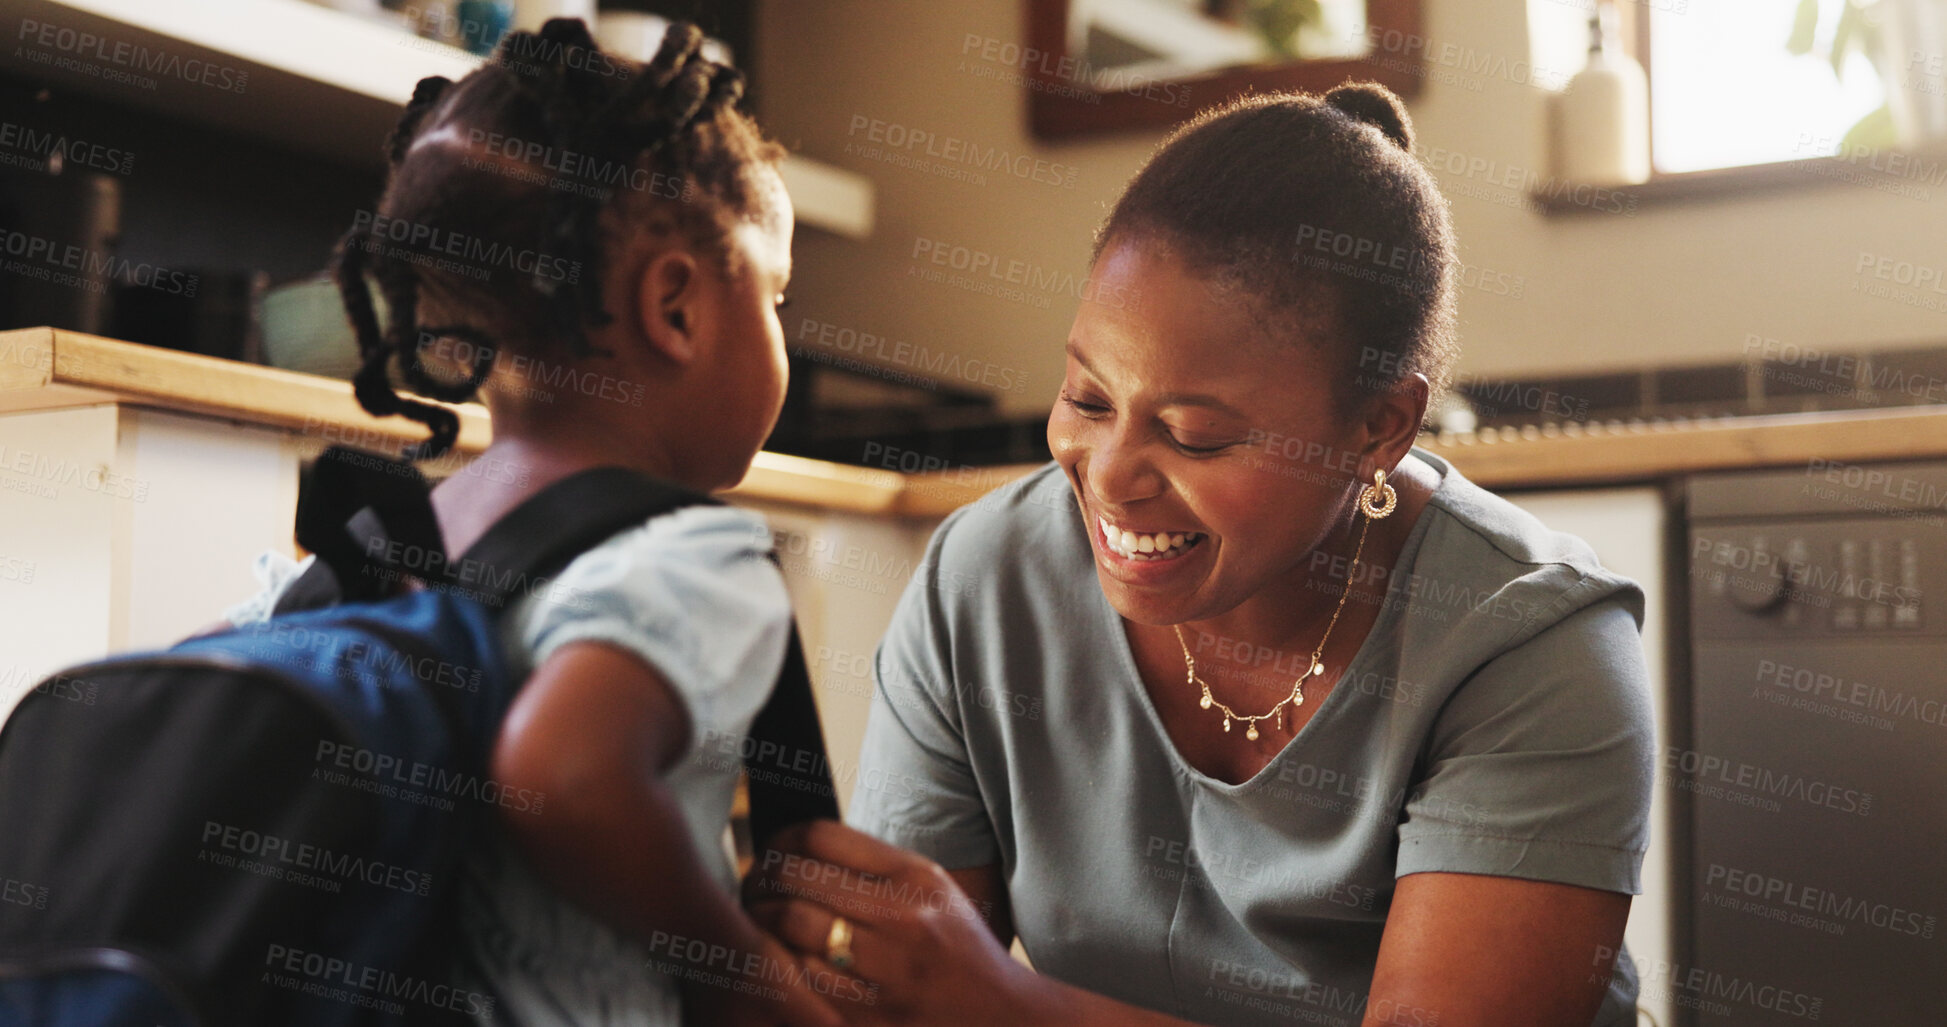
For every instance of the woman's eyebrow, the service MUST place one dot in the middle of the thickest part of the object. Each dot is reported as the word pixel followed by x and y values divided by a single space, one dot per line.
pixel 1197 399
pixel 1173 399
pixel 1076 355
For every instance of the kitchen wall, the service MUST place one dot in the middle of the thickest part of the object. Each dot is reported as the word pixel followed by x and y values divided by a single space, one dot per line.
pixel 1670 283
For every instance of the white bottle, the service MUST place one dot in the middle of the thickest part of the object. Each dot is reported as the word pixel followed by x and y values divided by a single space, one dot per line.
pixel 530 15
pixel 1602 121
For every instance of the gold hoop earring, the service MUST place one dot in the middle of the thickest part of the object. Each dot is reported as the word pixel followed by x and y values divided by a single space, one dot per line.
pixel 1369 497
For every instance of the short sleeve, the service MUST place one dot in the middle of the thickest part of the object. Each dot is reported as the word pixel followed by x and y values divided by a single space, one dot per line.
pixel 1540 765
pixel 694 595
pixel 916 785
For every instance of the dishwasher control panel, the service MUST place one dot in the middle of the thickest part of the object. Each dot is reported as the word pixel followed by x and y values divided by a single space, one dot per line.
pixel 1766 579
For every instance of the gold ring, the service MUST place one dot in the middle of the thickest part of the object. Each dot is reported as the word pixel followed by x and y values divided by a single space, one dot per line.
pixel 838 944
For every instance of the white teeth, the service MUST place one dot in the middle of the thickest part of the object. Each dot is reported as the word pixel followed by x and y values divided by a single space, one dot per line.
pixel 1159 546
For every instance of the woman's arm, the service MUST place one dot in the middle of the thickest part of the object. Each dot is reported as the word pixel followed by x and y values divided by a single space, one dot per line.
pixel 593 731
pixel 987 891
pixel 1462 950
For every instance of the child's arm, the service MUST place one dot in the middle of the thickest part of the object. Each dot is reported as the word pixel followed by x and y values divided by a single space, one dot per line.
pixel 594 730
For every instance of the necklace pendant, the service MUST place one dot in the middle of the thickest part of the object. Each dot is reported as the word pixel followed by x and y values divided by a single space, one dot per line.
pixel 1252 732
pixel 1205 701
pixel 1226 723
pixel 1280 719
pixel 1317 669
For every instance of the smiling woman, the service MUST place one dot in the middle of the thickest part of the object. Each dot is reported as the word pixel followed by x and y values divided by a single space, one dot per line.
pixel 1446 741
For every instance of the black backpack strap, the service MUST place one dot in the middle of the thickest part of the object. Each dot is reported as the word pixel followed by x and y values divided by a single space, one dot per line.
pixel 790 776
pixel 317 586
pixel 547 531
pixel 344 482
pixel 541 535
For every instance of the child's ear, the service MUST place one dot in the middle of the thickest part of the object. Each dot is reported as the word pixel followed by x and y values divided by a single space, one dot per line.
pixel 667 303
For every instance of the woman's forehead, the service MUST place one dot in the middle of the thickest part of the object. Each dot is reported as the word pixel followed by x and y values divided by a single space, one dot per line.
pixel 1152 306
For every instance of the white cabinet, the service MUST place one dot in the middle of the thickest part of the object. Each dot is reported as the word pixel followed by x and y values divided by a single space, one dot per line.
pixel 139 526
pixel 1627 529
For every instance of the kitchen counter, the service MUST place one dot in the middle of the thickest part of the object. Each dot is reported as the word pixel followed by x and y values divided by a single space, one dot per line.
pixel 43 368
pixel 46 369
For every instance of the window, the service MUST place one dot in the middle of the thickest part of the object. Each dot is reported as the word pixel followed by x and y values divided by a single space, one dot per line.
pixel 1727 91
pixel 1737 83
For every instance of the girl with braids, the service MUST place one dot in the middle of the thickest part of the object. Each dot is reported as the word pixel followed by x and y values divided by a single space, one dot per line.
pixel 1301 725
pixel 607 223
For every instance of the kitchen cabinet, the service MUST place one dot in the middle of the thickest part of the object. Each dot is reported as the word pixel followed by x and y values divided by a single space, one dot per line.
pixel 259 62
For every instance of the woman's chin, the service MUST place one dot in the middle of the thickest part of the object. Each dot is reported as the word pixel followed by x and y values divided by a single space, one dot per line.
pixel 1144 603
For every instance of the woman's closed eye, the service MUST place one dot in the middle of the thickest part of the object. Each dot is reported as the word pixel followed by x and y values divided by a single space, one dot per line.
pixel 1198 450
pixel 1084 407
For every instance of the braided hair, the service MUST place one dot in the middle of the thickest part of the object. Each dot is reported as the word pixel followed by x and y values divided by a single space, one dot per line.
pixel 580 148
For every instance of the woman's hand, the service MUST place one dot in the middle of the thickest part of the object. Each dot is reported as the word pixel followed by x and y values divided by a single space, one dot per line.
pixel 773 989
pixel 921 951
pixel 594 731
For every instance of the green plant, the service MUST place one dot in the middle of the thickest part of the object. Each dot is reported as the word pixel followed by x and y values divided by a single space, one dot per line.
pixel 1279 21
pixel 1857 30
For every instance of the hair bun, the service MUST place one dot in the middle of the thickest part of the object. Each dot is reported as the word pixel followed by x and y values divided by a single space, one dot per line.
pixel 1377 106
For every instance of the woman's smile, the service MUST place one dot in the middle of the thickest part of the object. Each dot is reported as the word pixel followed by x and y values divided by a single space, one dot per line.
pixel 1150 555
pixel 1145 545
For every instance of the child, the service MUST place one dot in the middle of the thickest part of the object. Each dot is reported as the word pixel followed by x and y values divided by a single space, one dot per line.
pixel 600 247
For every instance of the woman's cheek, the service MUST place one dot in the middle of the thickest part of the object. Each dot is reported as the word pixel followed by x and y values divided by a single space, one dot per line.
pixel 1230 499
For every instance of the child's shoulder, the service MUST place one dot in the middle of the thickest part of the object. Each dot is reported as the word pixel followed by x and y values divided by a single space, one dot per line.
pixel 693 593
pixel 700 557
pixel 724 534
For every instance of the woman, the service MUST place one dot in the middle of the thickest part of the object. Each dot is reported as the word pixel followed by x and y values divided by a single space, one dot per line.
pixel 1329 734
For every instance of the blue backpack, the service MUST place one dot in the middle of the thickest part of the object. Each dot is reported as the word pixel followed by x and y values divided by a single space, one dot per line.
pixel 264 826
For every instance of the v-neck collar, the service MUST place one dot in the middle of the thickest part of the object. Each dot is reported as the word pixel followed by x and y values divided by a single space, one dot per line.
pixel 1392 608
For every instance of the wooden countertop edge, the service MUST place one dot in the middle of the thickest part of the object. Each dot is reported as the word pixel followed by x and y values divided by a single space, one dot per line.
pixel 44 368
pixel 1650 452
pixel 188 382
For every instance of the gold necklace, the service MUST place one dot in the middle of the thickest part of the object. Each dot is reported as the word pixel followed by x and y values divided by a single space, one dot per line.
pixel 1297 696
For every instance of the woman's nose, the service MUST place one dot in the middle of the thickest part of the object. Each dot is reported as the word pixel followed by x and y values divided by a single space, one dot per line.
pixel 1121 472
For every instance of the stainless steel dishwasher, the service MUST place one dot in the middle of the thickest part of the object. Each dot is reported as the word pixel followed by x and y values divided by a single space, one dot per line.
pixel 1814 768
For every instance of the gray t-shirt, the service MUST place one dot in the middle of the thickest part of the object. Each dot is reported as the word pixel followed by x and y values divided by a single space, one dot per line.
pixel 1496 720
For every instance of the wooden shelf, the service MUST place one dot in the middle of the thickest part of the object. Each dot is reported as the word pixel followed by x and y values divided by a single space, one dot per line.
pixel 45 368
pixel 312 79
